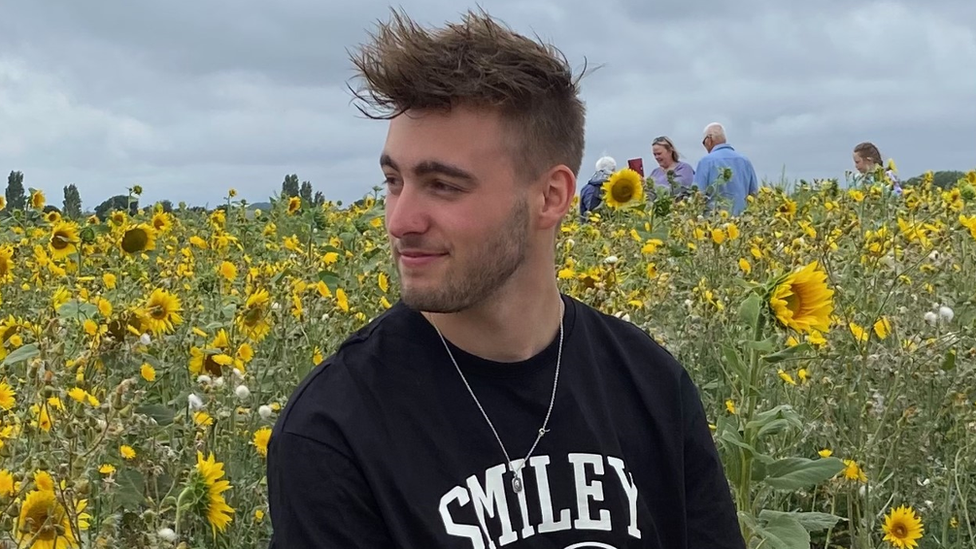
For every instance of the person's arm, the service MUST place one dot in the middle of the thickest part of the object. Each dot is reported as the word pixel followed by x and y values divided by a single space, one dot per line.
pixel 712 518
pixel 684 175
pixel 753 180
pixel 318 498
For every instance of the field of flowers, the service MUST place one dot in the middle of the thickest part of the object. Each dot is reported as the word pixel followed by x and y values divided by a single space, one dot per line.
pixel 145 357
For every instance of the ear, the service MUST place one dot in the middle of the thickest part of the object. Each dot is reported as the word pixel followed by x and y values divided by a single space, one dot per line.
pixel 558 192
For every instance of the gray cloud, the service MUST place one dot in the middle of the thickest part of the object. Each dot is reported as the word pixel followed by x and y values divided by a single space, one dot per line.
pixel 189 99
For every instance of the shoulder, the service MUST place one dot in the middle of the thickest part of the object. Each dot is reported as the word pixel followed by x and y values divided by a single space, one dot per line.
pixel 624 338
pixel 331 394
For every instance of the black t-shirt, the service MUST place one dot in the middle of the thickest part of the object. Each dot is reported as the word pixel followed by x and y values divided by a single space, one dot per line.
pixel 382 446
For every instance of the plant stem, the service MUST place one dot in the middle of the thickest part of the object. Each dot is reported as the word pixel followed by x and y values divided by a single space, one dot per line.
pixel 179 509
pixel 746 503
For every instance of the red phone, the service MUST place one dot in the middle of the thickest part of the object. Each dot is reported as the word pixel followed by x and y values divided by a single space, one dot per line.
pixel 636 164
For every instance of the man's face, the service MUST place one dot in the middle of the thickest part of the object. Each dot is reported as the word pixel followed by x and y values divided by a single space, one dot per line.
pixel 456 215
pixel 708 143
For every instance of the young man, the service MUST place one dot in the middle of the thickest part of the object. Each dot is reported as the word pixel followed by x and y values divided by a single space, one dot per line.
pixel 486 409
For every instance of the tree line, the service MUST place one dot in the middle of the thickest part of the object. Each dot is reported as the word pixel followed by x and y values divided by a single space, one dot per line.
pixel 16 198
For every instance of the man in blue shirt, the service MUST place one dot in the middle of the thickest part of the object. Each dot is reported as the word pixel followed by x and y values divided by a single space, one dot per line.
pixel 721 155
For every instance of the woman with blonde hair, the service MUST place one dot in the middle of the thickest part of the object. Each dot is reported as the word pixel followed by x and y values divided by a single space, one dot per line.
pixel 668 162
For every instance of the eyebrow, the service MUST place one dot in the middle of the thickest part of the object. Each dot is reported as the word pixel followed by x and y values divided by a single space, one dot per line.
pixel 431 167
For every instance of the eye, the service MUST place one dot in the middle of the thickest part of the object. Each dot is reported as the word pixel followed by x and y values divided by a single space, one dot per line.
pixel 444 188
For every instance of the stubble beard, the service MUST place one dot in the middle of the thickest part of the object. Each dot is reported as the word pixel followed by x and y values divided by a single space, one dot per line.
pixel 464 286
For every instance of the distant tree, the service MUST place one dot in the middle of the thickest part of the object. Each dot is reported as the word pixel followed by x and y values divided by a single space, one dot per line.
pixel 319 199
pixel 72 202
pixel 117 202
pixel 52 208
pixel 306 192
pixel 941 179
pixel 289 187
pixel 16 197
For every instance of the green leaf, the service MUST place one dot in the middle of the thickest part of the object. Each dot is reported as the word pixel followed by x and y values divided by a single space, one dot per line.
pixel 331 279
pixel 950 360
pixel 785 532
pixel 21 354
pixel 786 353
pixel 732 358
pixel 76 310
pixel 773 427
pixel 163 415
pixel 797 473
pixel 812 522
pixel 765 346
pixel 749 310
pixel 733 438
pixel 132 488
pixel 278 276
pixel 711 385
pixel 228 311
pixel 781 412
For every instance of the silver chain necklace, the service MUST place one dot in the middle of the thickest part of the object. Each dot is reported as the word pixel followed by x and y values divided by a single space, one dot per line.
pixel 517 478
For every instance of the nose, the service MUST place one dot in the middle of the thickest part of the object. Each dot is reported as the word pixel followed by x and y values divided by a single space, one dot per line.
pixel 407 212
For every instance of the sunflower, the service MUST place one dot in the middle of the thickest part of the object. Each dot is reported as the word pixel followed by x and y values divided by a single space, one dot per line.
pixel 37 200
pixel 902 528
pixel 253 320
pixel 6 263
pixel 207 483
pixel 118 218
pixel 162 222
pixel 8 397
pixel 294 204
pixel 64 239
pixel 44 520
pixel 802 300
pixel 261 438
pixel 210 360
pixel 9 328
pixel 52 217
pixel 624 188
pixel 139 238
pixel 161 312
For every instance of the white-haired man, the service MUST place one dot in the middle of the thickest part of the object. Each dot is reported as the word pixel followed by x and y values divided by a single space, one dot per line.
pixel 591 194
pixel 721 155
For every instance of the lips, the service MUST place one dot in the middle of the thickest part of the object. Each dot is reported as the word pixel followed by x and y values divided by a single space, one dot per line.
pixel 418 258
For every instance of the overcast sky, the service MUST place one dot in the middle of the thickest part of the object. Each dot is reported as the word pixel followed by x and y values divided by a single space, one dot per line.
pixel 191 98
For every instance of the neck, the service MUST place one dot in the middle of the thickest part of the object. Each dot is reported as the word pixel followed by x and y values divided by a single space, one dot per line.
pixel 520 320
pixel 666 165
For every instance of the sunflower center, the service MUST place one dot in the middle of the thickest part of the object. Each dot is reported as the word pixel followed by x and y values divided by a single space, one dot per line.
pixel 792 303
pixel 622 192
pixel 900 530
pixel 158 312
pixel 135 240
pixel 60 241
pixel 253 316
pixel 212 366
pixel 43 522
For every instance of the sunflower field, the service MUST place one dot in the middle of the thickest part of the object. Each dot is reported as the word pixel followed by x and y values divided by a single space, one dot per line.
pixel 144 357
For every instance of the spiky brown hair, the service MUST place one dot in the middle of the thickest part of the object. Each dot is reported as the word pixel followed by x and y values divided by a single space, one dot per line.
pixel 483 64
